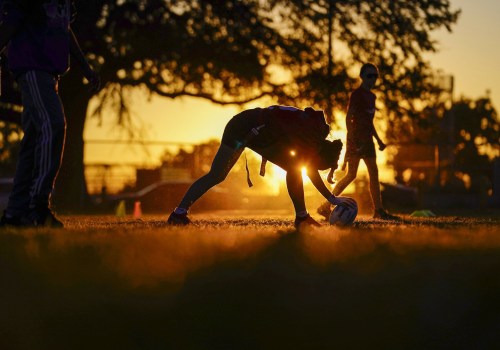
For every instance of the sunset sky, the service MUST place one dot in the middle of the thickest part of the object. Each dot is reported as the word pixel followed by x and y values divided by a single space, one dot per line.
pixel 470 53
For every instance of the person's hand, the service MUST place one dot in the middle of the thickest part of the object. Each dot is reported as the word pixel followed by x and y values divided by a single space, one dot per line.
pixel 381 145
pixel 94 80
pixel 345 201
pixel 329 178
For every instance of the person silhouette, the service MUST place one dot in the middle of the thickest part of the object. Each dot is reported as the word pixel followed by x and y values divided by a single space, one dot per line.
pixel 360 145
pixel 39 42
pixel 287 136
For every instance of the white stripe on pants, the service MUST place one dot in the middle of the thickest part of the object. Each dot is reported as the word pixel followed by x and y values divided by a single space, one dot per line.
pixel 46 141
pixel 42 145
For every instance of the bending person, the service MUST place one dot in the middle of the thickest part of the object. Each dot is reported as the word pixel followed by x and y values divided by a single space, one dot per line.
pixel 287 136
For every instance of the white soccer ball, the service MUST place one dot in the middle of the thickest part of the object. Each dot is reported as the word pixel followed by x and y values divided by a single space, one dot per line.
pixel 343 215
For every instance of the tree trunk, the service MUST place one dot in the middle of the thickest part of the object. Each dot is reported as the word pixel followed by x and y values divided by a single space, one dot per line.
pixel 70 192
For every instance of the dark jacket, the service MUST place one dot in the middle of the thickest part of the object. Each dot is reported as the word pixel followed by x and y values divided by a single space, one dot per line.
pixel 43 41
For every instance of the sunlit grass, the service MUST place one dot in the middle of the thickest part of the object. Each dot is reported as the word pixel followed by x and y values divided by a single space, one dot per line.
pixel 236 279
pixel 147 251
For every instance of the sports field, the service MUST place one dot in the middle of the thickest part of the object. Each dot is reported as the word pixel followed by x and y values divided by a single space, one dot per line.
pixel 251 281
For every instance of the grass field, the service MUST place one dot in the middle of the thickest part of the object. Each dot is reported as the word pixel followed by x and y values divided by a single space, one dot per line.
pixel 251 281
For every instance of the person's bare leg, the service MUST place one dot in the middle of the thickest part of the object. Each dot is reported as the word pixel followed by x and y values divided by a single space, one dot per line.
pixel 378 209
pixel 295 186
pixel 371 165
pixel 352 172
pixel 223 162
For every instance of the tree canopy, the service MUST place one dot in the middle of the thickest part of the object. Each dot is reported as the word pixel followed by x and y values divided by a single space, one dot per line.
pixel 299 52
pixel 476 135
pixel 233 51
pixel 341 35
pixel 465 137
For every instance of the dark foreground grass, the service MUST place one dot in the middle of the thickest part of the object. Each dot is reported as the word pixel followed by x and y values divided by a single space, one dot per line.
pixel 251 282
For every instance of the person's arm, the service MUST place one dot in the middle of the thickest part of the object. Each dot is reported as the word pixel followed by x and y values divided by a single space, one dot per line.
pixel 381 144
pixel 317 181
pixel 350 115
pixel 77 53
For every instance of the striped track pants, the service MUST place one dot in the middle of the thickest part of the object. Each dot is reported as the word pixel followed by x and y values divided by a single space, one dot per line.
pixel 44 127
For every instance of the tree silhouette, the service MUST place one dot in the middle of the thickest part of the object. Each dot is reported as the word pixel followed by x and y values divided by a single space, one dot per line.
pixel 476 135
pixel 465 135
pixel 217 50
pixel 231 52
pixel 342 34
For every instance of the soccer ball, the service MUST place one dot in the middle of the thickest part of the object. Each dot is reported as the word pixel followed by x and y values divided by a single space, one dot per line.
pixel 343 215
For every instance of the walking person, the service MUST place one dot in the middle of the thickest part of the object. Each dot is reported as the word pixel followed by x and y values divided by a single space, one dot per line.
pixel 39 43
pixel 287 136
pixel 360 145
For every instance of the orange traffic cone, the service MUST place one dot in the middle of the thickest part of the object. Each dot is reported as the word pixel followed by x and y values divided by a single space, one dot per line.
pixel 137 210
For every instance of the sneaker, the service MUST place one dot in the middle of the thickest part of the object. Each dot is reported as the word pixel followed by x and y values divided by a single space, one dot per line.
pixel 384 215
pixel 178 219
pixel 15 221
pixel 44 218
pixel 305 221
pixel 325 210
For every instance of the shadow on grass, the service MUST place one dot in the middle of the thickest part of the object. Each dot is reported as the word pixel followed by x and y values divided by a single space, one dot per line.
pixel 250 288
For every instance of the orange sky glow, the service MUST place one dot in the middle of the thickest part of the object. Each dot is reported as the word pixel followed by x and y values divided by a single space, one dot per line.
pixel 469 53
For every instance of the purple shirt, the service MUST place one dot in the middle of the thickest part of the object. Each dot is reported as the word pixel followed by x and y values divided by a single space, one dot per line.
pixel 41 44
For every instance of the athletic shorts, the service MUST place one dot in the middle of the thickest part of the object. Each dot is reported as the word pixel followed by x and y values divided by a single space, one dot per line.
pixel 360 150
pixel 239 127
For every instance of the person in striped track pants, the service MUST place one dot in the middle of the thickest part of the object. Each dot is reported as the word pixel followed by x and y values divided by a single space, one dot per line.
pixel 39 42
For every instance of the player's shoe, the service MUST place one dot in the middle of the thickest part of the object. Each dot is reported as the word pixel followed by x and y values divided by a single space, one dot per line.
pixel 178 219
pixel 14 221
pixel 325 210
pixel 384 215
pixel 44 218
pixel 306 221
